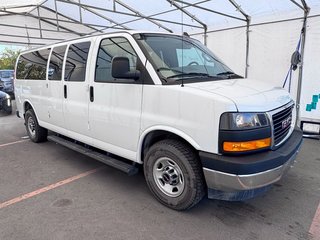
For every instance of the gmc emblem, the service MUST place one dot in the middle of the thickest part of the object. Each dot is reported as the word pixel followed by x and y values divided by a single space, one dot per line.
pixel 285 123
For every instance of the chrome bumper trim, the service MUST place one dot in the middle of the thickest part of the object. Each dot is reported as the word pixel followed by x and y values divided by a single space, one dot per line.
pixel 231 182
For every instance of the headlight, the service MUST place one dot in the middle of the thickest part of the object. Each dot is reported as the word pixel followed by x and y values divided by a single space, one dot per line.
pixel 244 132
pixel 241 121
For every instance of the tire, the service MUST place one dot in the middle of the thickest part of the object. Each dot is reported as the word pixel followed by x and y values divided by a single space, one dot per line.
pixel 174 175
pixel 35 132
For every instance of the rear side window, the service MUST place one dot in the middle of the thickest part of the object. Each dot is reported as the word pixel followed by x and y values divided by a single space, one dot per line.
pixel 75 68
pixel 108 49
pixel 56 63
pixel 33 65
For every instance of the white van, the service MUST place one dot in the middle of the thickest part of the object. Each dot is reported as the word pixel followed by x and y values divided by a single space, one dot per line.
pixel 164 101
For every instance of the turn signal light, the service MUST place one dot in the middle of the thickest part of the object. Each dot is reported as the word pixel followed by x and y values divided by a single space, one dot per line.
pixel 246 146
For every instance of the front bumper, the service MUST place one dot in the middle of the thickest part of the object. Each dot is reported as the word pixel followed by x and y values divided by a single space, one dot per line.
pixel 241 173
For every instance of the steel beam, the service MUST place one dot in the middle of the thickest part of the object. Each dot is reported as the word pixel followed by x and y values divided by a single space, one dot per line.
pixel 248 21
pixel 80 12
pixel 163 20
pixel 39 22
pixel 297 4
pixel 303 43
pixel 14 7
pixel 122 13
pixel 56 10
pixel 89 9
pixel 37 5
pixel 67 17
pixel 209 10
pixel 305 6
pixel 62 27
pixel 21 43
pixel 142 15
pixel 46 21
pixel 205 27
pixel 31 28
pixel 21 36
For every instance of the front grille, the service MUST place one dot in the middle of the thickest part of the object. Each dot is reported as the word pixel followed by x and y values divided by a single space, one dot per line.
pixel 281 124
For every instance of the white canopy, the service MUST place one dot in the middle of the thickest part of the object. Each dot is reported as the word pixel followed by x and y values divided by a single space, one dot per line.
pixel 38 22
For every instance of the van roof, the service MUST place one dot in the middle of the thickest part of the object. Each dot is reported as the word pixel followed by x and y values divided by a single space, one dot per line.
pixel 131 32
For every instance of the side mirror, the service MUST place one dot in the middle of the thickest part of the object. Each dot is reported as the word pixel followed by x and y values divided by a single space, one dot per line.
pixel 120 68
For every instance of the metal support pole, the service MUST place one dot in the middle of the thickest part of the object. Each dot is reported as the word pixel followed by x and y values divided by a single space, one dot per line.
pixel 63 17
pixel 303 41
pixel 205 37
pixel 192 17
pixel 297 4
pixel 248 20
pixel 27 36
pixel 80 12
pixel 142 15
pixel 40 29
pixel 209 10
pixel 89 9
pixel 56 10
pixel 247 47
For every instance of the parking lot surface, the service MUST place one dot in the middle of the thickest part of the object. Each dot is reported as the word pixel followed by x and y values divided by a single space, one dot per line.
pixel 50 192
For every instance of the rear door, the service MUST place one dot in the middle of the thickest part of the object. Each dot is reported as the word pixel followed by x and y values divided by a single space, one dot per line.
pixel 55 87
pixel 76 90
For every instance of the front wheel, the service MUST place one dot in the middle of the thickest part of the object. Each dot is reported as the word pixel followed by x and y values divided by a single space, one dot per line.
pixel 35 132
pixel 174 174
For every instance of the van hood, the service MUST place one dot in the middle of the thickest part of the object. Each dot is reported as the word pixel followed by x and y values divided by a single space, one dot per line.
pixel 247 94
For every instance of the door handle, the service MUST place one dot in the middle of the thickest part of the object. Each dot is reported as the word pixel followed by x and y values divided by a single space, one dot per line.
pixel 65 91
pixel 91 94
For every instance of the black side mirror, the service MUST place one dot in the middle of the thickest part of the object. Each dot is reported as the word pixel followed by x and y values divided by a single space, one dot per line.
pixel 121 69
pixel 295 60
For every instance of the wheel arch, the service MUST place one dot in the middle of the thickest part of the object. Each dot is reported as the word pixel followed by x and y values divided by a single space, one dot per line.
pixel 26 106
pixel 157 133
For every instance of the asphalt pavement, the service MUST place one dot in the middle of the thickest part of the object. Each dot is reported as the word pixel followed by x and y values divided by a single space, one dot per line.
pixel 50 192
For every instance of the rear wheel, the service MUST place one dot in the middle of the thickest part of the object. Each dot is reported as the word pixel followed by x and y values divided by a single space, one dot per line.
pixel 36 133
pixel 174 175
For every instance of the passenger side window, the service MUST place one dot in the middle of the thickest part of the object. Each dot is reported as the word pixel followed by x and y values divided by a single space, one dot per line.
pixel 109 48
pixel 56 62
pixel 75 69
pixel 33 65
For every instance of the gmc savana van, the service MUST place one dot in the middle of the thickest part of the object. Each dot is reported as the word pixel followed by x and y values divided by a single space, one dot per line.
pixel 164 101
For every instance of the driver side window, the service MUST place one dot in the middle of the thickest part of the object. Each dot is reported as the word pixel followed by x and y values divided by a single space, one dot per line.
pixel 110 48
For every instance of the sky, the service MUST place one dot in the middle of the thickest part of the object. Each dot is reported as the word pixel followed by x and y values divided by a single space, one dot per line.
pixel 3 47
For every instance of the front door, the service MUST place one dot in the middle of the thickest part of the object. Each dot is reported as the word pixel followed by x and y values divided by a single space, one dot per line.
pixel 115 104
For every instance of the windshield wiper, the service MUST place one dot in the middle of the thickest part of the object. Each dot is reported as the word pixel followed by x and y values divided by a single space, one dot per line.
pixel 190 74
pixel 168 69
pixel 229 74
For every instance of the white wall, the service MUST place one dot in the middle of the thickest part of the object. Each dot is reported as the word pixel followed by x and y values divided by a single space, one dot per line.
pixel 311 71
pixel 271 47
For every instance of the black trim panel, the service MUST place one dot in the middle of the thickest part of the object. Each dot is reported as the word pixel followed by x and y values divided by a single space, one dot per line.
pixel 253 163
pixel 242 135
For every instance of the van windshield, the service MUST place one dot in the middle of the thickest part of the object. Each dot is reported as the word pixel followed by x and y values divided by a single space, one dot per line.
pixel 176 58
